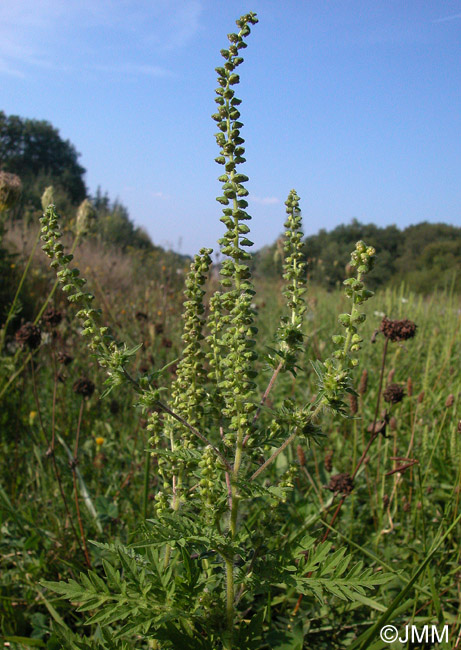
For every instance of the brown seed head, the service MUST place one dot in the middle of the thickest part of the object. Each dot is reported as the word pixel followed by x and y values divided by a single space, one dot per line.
pixel 341 483
pixel 328 460
pixel 393 393
pixel 390 376
pixel 301 455
pixel 363 382
pixel 52 317
pixel 450 400
pixel 30 335
pixel 353 404
pixel 65 358
pixel 409 387
pixel 10 190
pixel 393 423
pixel 420 397
pixel 84 387
pixel 398 330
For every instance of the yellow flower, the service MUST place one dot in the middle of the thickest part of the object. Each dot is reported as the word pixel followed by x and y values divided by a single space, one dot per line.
pixel 12 266
pixel 32 416
pixel 99 441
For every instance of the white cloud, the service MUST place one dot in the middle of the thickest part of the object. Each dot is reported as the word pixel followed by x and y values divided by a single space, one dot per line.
pixel 265 200
pixel 447 18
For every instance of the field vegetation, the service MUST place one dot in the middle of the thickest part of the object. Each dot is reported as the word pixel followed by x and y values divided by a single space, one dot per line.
pixel 279 468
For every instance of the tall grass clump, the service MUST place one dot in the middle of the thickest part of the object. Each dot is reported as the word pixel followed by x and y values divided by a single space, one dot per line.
pixel 212 565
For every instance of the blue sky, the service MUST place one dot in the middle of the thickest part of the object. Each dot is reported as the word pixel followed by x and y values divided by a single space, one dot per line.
pixel 354 103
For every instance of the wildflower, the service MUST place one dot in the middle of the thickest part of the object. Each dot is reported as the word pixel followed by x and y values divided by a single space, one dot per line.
pixel 398 330
pixel 100 441
pixel 32 416
pixel 84 387
pixel 30 335
pixel 393 394
pixel 341 483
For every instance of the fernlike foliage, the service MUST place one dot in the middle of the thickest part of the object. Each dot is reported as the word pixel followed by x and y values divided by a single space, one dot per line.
pixel 201 570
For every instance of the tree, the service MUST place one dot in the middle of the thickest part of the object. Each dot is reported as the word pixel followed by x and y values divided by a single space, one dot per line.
pixel 34 149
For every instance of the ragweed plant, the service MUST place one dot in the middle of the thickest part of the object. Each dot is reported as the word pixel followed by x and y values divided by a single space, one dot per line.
pixel 204 567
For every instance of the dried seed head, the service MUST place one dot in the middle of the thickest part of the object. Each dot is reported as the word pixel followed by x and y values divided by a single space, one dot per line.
pixel 301 455
pixel 47 197
pixel 65 358
pixel 450 400
pixel 10 190
pixel 409 387
pixel 86 214
pixel 52 317
pixel 328 460
pixel 353 404
pixel 380 427
pixel 30 335
pixel 420 397
pixel 84 387
pixel 341 483
pixel 363 382
pixel 393 393
pixel 390 376
pixel 398 330
pixel 393 423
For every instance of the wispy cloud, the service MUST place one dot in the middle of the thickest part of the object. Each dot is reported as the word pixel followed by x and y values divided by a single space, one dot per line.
pixel 121 37
pixel 446 19
pixel 265 200
pixel 160 195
